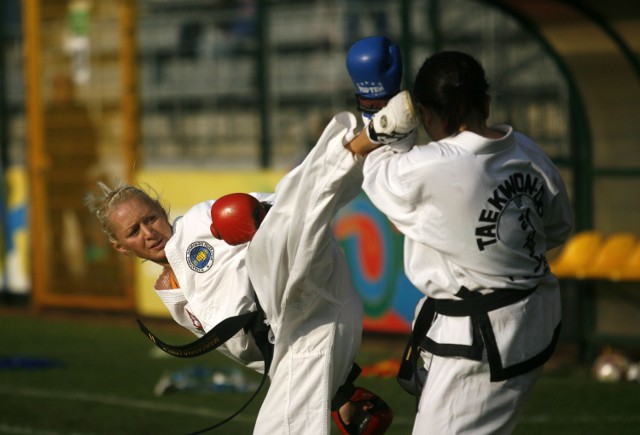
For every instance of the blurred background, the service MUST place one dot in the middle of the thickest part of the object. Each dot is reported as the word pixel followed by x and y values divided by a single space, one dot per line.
pixel 198 98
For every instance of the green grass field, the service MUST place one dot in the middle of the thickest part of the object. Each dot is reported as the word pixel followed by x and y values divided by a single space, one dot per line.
pixel 104 373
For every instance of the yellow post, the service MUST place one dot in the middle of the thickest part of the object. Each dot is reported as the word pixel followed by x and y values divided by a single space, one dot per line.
pixel 130 92
pixel 130 109
pixel 49 286
pixel 36 155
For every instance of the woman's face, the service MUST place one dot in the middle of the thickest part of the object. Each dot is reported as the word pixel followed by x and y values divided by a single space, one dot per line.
pixel 140 229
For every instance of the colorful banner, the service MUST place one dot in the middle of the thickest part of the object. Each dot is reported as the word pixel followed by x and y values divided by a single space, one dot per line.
pixel 372 245
pixel 373 248
pixel 14 269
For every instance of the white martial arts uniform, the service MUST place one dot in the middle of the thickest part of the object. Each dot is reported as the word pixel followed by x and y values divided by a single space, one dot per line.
pixel 301 280
pixel 478 215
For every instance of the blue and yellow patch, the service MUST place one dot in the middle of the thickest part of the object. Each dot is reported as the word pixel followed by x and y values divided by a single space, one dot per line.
pixel 200 256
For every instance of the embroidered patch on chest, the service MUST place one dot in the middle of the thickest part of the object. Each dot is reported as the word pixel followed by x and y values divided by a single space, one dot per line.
pixel 200 256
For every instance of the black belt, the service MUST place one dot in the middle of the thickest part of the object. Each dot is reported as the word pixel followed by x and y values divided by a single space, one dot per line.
pixel 253 322
pixel 472 304
pixel 476 303
pixel 222 332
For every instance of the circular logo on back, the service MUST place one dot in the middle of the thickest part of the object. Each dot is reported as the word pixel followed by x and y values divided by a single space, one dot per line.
pixel 200 256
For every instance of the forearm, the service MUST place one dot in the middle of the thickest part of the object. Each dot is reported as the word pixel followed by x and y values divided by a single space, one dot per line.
pixel 361 144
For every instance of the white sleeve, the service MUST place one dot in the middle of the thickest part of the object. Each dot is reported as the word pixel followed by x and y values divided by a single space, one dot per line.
pixel 240 348
pixel 263 196
pixel 388 185
pixel 559 221
pixel 179 309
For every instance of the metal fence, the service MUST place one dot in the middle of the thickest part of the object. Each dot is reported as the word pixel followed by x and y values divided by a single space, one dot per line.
pixel 250 84
pixel 202 84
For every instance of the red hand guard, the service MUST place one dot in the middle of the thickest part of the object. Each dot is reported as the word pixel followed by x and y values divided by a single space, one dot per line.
pixel 236 218
pixel 373 415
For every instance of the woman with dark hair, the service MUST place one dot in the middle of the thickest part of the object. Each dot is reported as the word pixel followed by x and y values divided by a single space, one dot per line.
pixel 479 207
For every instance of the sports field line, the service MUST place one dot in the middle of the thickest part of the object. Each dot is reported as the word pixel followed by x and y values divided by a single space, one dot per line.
pixel 117 401
pixel 543 419
pixel 126 403
pixel 23 430
pixel 536 419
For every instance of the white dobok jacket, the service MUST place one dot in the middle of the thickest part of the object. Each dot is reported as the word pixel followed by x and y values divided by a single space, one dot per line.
pixel 478 216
